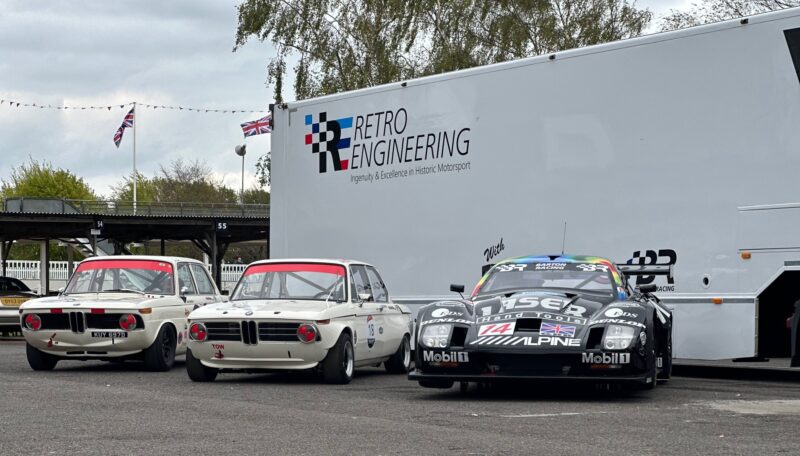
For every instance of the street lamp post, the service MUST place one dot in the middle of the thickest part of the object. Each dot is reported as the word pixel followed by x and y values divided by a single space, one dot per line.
pixel 241 151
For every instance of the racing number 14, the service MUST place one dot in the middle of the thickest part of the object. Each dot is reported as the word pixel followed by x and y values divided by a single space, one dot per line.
pixel 497 329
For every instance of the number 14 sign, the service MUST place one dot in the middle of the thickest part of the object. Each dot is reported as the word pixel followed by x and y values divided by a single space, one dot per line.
pixel 497 329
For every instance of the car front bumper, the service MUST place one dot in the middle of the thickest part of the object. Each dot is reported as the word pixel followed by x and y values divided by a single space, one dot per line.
pixel 68 344
pixel 263 355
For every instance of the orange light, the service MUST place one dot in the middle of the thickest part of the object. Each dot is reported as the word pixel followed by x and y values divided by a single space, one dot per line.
pixel 716 300
pixel 746 255
pixel 323 322
pixel 146 310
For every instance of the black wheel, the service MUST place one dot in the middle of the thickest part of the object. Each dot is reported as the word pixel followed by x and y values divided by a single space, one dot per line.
pixel 666 359
pixel 160 356
pixel 400 362
pixel 440 384
pixel 338 366
pixel 39 360
pixel 197 371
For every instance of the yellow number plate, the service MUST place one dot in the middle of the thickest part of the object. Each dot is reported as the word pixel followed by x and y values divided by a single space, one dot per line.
pixel 13 302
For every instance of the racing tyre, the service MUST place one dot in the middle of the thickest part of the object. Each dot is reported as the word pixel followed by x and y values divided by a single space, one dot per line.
pixel 400 362
pixel 197 371
pixel 666 360
pixel 39 360
pixel 338 366
pixel 160 356
pixel 439 384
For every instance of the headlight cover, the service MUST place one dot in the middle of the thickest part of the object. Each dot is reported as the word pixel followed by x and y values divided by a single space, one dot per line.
pixel 618 337
pixel 436 336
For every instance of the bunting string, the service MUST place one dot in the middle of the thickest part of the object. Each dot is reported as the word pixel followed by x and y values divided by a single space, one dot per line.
pixel 23 104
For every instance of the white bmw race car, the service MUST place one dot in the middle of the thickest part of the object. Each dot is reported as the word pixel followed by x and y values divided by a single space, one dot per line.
pixel 333 315
pixel 118 308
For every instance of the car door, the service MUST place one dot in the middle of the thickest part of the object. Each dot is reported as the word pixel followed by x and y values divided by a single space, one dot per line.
pixel 188 288
pixel 205 287
pixel 369 320
pixel 393 327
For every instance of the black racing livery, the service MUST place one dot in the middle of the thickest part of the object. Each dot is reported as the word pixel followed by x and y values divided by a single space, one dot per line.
pixel 548 317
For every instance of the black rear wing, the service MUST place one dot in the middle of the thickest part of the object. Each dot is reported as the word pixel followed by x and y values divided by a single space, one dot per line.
pixel 645 269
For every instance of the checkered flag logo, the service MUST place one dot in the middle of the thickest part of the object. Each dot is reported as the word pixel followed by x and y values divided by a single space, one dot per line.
pixel 326 138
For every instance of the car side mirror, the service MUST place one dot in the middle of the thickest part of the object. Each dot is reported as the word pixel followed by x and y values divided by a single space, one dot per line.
pixel 364 297
pixel 61 290
pixel 224 292
pixel 184 290
pixel 649 288
pixel 456 288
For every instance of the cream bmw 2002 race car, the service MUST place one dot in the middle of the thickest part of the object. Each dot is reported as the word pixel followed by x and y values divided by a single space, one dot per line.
pixel 116 308
pixel 302 314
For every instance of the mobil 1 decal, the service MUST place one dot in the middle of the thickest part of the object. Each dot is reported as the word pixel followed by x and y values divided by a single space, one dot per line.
pixel 650 257
pixel 394 143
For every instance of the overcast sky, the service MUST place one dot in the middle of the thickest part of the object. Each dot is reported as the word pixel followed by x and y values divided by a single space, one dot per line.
pixel 100 52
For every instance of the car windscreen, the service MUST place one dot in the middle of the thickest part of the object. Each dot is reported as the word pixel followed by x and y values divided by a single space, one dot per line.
pixel 143 276
pixel 581 276
pixel 297 281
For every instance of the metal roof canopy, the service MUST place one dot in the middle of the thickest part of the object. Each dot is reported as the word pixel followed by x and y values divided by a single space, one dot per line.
pixel 211 234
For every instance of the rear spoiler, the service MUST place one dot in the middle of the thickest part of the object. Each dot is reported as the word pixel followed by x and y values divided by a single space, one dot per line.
pixel 645 269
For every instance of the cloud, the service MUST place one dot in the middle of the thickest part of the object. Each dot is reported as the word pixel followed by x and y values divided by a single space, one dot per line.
pixel 108 53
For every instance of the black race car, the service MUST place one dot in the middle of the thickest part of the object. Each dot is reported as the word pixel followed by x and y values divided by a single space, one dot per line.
pixel 548 317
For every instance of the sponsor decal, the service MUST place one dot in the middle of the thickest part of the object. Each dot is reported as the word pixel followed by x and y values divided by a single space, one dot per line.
pixel 527 340
pixel 556 329
pixel 51 341
pixel 616 313
pixel 445 357
pixel 218 354
pixel 439 313
pixel 606 358
pixel 548 303
pixel 550 266
pixel 370 331
pixel 511 267
pixel 445 320
pixel 628 305
pixel 659 362
pixel 374 141
pixel 616 321
pixel 380 330
pixel 535 314
pixel 497 329
pixel 494 250
pixel 592 267
pixel 648 257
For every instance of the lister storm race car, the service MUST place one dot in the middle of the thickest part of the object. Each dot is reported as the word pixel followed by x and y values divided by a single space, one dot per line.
pixel 548 317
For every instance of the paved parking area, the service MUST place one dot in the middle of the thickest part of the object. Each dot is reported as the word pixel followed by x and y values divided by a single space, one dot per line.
pixel 103 409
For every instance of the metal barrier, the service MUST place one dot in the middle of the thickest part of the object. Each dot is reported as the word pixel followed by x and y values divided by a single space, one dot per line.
pixel 67 206
pixel 29 270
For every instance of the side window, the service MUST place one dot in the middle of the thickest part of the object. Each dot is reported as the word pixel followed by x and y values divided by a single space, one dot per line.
pixel 204 285
pixel 360 284
pixel 185 279
pixel 378 287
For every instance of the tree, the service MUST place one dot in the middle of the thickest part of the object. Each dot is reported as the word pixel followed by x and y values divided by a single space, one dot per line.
pixel 708 11
pixel 264 170
pixel 180 182
pixel 256 196
pixel 40 179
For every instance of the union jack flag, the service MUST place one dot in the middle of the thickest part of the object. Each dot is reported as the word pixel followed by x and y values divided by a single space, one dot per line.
pixel 257 127
pixel 555 329
pixel 126 123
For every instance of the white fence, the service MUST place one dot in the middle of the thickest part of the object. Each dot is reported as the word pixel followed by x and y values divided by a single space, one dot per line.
pixel 29 270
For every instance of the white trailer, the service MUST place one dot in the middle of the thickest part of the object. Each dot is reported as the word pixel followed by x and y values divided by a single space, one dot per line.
pixel 680 147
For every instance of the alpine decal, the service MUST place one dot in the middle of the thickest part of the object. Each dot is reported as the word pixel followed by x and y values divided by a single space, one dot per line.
pixel 527 340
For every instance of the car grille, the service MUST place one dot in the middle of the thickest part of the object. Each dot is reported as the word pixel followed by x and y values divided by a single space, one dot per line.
pixel 250 332
pixel 78 322
pixel 230 331
pixel 278 332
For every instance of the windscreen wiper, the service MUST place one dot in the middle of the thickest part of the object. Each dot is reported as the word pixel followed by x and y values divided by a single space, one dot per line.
pixel 122 290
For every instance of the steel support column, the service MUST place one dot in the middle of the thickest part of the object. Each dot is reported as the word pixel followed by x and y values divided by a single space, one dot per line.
pixel 44 267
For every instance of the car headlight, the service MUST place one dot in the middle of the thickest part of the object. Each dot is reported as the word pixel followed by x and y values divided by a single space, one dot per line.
pixel 618 337
pixel 436 336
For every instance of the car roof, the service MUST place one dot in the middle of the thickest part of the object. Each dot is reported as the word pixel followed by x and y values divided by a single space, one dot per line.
pixel 562 258
pixel 343 262
pixel 169 259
